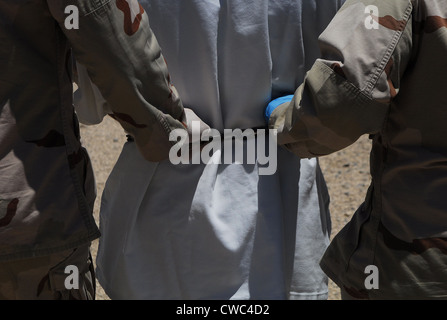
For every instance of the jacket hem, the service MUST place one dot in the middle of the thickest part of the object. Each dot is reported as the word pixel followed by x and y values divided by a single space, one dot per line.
pixel 331 274
pixel 49 250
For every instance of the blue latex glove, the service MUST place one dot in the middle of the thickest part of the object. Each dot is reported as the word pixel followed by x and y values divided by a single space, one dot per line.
pixel 274 104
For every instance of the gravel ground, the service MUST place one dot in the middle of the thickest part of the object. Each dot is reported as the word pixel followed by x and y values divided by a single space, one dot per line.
pixel 346 173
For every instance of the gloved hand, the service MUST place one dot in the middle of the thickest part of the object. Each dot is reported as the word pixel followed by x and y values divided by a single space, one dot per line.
pixel 274 104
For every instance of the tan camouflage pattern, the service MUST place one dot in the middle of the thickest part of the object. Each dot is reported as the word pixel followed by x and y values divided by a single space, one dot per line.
pixel 47 188
pixel 43 278
pixel 390 83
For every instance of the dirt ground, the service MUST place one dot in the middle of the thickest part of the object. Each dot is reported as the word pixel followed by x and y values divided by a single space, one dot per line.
pixel 346 173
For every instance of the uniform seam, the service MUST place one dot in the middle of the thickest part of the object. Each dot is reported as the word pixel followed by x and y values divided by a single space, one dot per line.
pixel 102 5
pixel 375 76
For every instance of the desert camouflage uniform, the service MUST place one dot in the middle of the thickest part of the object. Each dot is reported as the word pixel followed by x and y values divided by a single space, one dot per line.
pixel 388 82
pixel 47 189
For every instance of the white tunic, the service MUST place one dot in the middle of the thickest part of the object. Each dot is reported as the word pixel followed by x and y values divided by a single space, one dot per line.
pixel 221 231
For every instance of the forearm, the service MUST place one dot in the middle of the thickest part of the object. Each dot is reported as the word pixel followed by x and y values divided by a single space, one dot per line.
pixel 348 91
pixel 125 62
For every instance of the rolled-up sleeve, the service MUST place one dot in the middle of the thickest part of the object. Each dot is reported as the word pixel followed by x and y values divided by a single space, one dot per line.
pixel 348 91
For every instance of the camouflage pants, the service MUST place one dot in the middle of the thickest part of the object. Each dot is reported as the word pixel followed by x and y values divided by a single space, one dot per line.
pixel 61 276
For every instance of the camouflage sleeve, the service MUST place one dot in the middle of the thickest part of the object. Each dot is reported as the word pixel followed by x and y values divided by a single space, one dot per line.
pixel 113 40
pixel 347 93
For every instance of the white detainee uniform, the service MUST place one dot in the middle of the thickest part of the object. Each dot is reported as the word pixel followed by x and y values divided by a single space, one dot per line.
pixel 222 231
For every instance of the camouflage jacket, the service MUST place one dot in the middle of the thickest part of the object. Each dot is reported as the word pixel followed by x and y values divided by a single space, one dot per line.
pixel 47 188
pixel 381 72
